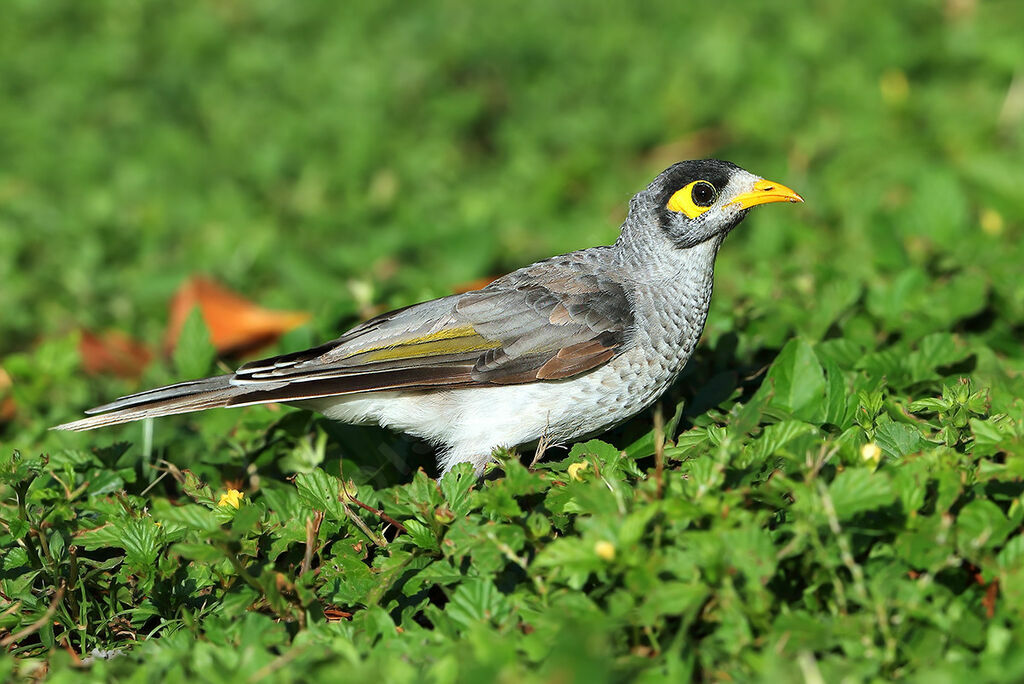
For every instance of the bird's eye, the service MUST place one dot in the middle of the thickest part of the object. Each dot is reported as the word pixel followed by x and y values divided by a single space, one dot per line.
pixel 694 199
pixel 703 194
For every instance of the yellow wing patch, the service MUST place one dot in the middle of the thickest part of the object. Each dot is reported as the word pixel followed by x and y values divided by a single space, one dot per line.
pixel 443 342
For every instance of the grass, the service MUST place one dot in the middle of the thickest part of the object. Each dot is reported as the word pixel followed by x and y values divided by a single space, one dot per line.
pixel 841 487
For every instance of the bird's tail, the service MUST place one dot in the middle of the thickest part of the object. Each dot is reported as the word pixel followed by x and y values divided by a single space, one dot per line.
pixel 233 390
pixel 184 397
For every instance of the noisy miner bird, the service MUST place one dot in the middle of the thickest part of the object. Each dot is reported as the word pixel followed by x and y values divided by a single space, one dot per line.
pixel 563 348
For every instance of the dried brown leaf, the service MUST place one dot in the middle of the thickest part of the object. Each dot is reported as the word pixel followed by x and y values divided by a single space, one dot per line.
pixel 236 324
pixel 113 352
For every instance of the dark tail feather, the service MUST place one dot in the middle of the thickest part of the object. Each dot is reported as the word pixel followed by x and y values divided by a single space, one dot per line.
pixel 198 395
pixel 185 397
pixel 175 391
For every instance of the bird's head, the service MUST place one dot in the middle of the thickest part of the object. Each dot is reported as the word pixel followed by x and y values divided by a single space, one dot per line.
pixel 694 201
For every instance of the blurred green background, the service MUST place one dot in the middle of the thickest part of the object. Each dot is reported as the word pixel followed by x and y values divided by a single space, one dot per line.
pixel 290 149
pixel 339 158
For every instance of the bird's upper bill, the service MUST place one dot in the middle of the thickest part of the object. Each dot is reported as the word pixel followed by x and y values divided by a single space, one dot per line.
pixel 764 192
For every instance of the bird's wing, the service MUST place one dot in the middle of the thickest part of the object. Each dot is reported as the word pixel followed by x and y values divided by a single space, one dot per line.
pixel 549 321
pixel 552 320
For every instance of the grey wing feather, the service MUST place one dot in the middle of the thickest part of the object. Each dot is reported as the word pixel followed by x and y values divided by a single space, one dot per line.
pixel 530 315
pixel 556 319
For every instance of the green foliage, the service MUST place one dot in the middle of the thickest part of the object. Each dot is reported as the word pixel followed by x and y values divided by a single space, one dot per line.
pixel 839 492
pixel 193 353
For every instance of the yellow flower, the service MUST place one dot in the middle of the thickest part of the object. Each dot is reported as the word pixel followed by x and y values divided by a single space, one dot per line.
pixel 871 453
pixel 575 470
pixel 992 222
pixel 894 86
pixel 605 550
pixel 232 498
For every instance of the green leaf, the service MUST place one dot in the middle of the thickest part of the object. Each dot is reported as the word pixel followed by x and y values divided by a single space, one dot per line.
pixel 457 485
pixel 475 601
pixel 16 469
pixel 798 381
pixel 843 352
pixel 192 516
pixel 569 559
pixel 17 527
pixel 834 297
pixel 929 405
pixel 981 524
pixel 911 485
pixel 100 537
pixel 776 436
pixel 691 440
pixel 933 351
pixel 140 538
pixel 320 491
pixel 898 439
pixel 925 548
pixel 1012 553
pixel 111 456
pixel 595 447
pixel 196 489
pixel 245 518
pixel 856 490
pixel 670 599
pixel 193 353
pixel 895 301
pixel 421 535
pixel 347 578
pixel 642 447
pixel 499 501
pixel 888 363
pixel 937 208
pixel 632 528
pixel 837 395
pixel 203 553
pixel 991 434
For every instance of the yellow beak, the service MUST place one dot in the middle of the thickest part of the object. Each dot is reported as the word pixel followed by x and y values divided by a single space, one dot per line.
pixel 764 192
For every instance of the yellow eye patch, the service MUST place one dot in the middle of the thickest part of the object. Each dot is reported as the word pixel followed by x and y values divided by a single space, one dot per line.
pixel 694 199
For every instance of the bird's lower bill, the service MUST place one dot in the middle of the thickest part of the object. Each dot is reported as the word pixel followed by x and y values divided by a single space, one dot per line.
pixel 765 192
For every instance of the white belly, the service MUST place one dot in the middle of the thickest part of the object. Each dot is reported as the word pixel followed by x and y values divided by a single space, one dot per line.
pixel 469 423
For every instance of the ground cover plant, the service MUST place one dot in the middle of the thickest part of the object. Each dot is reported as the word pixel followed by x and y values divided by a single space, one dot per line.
pixel 832 490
